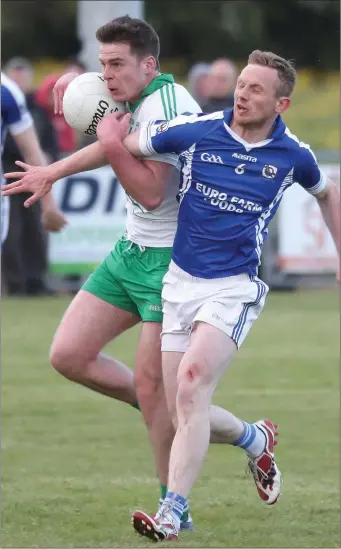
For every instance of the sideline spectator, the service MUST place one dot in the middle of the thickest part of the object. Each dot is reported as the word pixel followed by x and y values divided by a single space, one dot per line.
pixel 24 253
pixel 222 82
pixel 198 82
pixel 67 136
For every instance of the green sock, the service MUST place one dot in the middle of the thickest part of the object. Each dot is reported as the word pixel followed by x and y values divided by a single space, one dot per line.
pixel 184 516
pixel 163 491
pixel 136 405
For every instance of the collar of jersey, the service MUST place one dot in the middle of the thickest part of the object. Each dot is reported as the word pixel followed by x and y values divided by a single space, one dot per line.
pixel 158 82
pixel 278 131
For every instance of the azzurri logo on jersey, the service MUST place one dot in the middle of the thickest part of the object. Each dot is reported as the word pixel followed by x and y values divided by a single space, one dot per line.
pixel 269 171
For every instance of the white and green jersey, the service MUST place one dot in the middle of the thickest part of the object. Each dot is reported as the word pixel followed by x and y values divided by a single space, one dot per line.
pixel 157 228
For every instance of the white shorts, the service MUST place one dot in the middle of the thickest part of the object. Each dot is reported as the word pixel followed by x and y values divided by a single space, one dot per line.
pixel 230 304
pixel 4 217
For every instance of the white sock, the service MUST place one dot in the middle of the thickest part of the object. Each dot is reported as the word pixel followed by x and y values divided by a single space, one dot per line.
pixel 252 440
pixel 257 445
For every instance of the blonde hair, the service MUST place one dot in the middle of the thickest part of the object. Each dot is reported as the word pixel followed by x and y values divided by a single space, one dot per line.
pixel 285 70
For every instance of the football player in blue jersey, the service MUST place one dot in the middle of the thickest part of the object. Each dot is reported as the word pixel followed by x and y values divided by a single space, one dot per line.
pixel 235 166
pixel 16 118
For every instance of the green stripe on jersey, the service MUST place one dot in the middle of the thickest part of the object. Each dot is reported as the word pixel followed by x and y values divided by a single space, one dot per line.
pixel 164 103
pixel 168 98
pixel 174 100
pixel 171 108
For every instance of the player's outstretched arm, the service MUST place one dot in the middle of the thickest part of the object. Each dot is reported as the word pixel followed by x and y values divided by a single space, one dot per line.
pixel 309 175
pixel 143 180
pixel 329 203
pixel 38 180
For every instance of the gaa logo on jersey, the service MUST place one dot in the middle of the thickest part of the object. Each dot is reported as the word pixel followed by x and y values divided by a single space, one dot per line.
pixel 269 171
pixel 162 127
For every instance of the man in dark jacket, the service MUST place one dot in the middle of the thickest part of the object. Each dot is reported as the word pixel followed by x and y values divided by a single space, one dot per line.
pixel 24 254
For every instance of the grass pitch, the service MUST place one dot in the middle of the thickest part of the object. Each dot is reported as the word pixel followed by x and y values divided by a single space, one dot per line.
pixel 75 464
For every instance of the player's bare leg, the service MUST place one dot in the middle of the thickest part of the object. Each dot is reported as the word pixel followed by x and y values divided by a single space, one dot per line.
pixel 151 396
pixel 225 428
pixel 152 401
pixel 87 326
pixel 210 353
pixel 198 372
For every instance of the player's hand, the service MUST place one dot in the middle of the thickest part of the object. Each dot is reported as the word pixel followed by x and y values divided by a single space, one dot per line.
pixel 53 220
pixel 113 128
pixel 59 90
pixel 35 179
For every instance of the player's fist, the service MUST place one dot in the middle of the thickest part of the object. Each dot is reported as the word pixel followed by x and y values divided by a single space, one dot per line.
pixel 59 90
pixel 113 128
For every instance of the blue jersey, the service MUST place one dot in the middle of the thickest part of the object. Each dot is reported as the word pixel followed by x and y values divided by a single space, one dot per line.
pixel 230 189
pixel 14 114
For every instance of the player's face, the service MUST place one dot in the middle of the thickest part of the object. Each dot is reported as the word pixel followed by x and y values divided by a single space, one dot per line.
pixel 126 74
pixel 255 97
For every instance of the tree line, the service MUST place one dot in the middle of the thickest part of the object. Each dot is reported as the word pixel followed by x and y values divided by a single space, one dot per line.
pixel 307 31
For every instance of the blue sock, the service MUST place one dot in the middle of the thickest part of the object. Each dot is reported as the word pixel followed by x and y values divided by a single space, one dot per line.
pixel 252 440
pixel 178 503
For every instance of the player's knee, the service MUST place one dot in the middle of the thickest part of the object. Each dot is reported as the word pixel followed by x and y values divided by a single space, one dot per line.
pixel 194 381
pixel 65 361
pixel 149 390
pixel 194 373
pixel 147 383
pixel 185 397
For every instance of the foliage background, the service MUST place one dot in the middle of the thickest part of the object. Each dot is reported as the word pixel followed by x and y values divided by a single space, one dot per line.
pixel 307 31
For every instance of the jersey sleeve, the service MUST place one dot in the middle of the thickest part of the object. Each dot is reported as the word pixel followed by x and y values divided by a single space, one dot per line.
pixel 307 172
pixel 14 110
pixel 179 101
pixel 173 136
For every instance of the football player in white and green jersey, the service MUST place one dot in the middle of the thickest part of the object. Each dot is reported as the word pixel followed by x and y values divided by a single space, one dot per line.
pixel 126 288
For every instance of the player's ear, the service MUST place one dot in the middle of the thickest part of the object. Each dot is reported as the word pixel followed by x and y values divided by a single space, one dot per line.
pixel 149 64
pixel 283 103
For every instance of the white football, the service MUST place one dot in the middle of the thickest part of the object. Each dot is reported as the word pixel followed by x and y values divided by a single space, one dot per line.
pixel 87 101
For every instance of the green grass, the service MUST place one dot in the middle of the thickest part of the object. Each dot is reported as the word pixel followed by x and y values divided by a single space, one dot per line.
pixel 75 464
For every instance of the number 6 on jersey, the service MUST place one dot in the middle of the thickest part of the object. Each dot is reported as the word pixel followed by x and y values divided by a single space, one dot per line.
pixel 240 169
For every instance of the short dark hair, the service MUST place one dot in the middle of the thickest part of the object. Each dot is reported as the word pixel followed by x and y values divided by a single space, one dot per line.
pixel 285 69
pixel 141 36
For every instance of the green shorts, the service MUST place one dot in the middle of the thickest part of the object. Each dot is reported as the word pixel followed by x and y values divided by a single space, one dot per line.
pixel 130 278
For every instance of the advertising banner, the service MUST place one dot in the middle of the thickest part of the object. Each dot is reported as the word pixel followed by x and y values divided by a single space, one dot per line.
pixel 305 245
